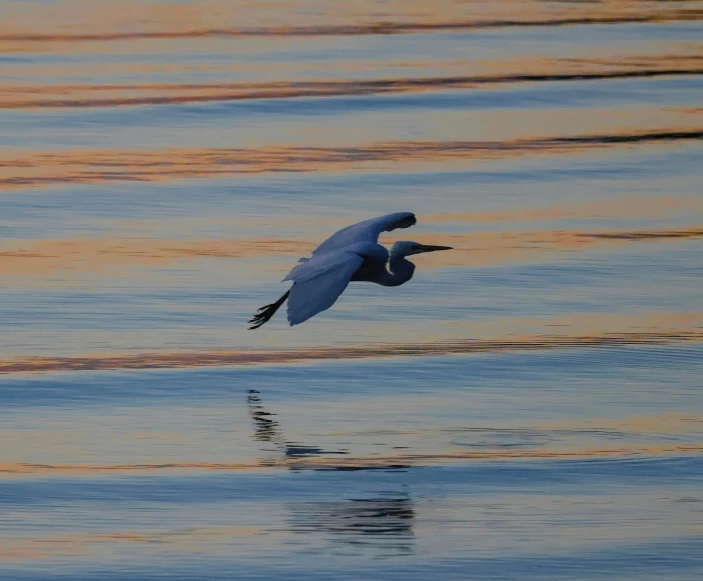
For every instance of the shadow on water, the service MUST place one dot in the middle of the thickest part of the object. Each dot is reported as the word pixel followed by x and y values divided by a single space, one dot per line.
pixel 378 522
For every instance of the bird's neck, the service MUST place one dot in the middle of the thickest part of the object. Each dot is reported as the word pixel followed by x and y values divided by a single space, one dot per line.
pixel 401 271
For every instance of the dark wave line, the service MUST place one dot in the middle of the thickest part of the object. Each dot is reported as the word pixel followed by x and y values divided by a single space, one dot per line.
pixel 390 462
pixel 297 90
pixel 636 138
pixel 586 140
pixel 373 28
pixel 102 166
pixel 220 358
pixel 647 235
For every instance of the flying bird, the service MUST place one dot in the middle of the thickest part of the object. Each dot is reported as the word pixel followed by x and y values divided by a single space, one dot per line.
pixel 352 254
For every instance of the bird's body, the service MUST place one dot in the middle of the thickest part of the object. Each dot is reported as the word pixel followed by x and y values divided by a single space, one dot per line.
pixel 374 265
pixel 352 254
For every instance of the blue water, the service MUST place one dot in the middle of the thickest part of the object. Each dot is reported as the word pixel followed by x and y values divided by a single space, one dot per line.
pixel 528 407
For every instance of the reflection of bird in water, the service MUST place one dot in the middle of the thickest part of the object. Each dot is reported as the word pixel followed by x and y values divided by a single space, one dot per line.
pixel 266 429
pixel 352 254
pixel 380 522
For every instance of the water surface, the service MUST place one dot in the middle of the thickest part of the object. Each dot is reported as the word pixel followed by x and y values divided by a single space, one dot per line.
pixel 529 406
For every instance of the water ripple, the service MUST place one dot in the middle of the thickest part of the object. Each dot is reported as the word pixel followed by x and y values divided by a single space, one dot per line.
pixel 368 28
pixel 172 93
pixel 43 168
pixel 245 357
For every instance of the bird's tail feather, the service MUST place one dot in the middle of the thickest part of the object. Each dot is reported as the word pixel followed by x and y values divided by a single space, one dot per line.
pixel 265 313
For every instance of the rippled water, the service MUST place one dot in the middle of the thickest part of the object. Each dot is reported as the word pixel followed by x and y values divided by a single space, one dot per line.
pixel 529 406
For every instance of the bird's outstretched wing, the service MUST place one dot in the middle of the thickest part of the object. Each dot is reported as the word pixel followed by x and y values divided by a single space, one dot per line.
pixel 319 282
pixel 367 231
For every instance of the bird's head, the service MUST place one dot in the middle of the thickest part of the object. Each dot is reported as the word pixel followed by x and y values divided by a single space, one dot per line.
pixel 408 248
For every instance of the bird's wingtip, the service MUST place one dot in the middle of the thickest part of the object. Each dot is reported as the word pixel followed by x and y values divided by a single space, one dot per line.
pixel 408 220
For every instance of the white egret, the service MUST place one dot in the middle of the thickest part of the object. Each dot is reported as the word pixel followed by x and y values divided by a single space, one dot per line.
pixel 352 254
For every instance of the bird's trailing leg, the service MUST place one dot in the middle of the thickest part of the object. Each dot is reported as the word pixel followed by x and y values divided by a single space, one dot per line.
pixel 265 313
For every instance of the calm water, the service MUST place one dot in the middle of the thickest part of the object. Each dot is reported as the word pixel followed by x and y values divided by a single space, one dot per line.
pixel 529 406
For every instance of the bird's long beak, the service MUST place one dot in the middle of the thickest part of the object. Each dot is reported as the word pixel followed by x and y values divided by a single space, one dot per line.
pixel 430 248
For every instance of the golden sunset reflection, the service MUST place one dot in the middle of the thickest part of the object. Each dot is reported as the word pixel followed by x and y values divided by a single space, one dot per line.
pixel 23 170
pixel 67 22
pixel 37 258
pixel 324 463
pixel 675 332
pixel 82 96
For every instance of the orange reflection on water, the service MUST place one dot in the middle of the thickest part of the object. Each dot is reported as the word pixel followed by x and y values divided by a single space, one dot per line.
pixel 44 168
pixel 53 75
pixel 67 22
pixel 42 257
pixel 188 359
pixel 627 206
pixel 630 206
pixel 359 463
pixel 479 249
pixel 14 96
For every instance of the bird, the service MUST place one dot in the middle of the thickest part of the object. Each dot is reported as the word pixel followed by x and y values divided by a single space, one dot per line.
pixel 352 254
